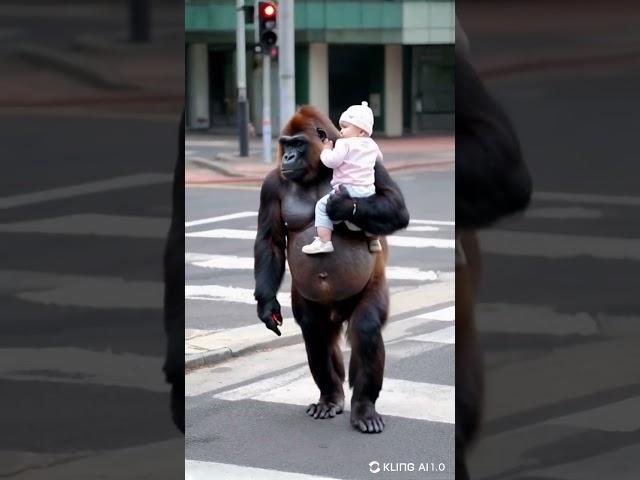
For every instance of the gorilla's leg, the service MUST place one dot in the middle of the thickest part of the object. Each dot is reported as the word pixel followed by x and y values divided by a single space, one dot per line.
pixel 321 337
pixel 366 366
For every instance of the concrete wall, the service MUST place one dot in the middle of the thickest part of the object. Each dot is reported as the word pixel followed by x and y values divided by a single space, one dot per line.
pixel 198 86
pixel 319 76
pixel 393 90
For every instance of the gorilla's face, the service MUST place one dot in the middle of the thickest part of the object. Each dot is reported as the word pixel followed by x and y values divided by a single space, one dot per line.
pixel 295 150
pixel 300 146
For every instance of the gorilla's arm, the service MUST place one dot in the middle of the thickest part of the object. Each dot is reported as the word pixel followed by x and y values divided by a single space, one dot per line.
pixel 380 214
pixel 269 251
pixel 491 178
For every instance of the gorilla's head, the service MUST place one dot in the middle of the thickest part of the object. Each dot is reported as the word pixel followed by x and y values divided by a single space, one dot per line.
pixel 300 145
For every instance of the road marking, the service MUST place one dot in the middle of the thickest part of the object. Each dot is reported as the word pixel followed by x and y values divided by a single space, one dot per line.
pixel 530 244
pixel 537 320
pixel 75 365
pixel 563 213
pixel 117 183
pixel 614 417
pixel 588 198
pixel 245 368
pixel 94 224
pixel 221 218
pixel 400 398
pixel 433 222
pixel 444 335
pixel 232 262
pixel 218 293
pixel 198 470
pixel 394 240
pixel 422 229
pixel 81 290
pixel 444 315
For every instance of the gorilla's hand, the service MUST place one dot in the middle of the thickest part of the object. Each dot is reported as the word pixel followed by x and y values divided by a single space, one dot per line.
pixel 340 205
pixel 269 313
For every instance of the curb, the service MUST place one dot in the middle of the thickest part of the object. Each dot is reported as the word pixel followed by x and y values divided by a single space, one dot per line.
pixel 208 358
pixel 72 65
pixel 541 64
pixel 216 167
pixel 194 361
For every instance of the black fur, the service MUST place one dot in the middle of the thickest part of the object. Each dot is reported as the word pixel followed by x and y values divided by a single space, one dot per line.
pixel 492 179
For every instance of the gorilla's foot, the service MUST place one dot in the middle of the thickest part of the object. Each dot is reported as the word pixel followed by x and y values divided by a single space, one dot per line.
pixel 327 407
pixel 365 418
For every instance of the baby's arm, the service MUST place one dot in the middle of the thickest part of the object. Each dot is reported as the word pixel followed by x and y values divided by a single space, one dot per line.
pixel 334 158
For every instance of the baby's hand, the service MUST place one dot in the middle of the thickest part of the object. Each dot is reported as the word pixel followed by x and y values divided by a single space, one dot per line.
pixel 327 144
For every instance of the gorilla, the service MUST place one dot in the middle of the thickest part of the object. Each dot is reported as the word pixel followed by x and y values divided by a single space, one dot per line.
pixel 346 286
pixel 492 181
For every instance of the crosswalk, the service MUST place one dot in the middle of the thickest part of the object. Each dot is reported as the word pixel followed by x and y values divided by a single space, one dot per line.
pixel 560 333
pixel 420 330
pixel 75 335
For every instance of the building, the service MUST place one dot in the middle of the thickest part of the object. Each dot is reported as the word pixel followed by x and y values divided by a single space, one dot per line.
pixel 397 54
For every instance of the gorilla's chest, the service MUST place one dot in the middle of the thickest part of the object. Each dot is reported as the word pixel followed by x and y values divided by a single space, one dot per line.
pixel 298 206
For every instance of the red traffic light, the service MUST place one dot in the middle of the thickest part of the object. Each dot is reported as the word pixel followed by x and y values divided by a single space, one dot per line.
pixel 267 10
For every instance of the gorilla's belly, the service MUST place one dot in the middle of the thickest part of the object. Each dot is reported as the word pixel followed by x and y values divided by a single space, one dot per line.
pixel 328 277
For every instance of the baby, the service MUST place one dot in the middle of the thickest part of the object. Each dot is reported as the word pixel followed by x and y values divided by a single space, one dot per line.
pixel 352 160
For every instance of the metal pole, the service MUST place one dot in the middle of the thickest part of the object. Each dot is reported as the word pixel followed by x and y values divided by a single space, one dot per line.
pixel 286 61
pixel 266 108
pixel 241 70
pixel 140 20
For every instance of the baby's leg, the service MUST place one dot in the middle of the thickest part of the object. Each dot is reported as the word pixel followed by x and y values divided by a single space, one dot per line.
pixel 323 223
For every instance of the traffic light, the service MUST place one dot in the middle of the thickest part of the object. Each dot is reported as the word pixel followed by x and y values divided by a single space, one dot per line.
pixel 267 16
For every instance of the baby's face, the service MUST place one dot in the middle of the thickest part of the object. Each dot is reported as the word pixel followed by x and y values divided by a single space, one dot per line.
pixel 348 131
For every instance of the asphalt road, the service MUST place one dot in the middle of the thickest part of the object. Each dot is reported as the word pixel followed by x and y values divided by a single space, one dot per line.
pixel 249 411
pixel 558 317
pixel 82 227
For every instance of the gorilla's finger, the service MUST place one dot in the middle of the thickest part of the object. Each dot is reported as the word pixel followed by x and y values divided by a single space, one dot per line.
pixel 271 325
pixel 277 318
pixel 362 425
pixel 332 412
pixel 369 426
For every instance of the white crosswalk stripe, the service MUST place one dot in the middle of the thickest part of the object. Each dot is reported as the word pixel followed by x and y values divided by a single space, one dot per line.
pixel 233 262
pixel 394 240
pixel 400 398
pixel 199 470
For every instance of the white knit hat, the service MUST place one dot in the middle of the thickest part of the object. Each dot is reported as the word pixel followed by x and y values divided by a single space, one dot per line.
pixel 359 115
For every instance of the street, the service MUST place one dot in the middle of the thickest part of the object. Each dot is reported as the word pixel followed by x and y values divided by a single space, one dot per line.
pixel 557 314
pixel 248 410
pixel 75 338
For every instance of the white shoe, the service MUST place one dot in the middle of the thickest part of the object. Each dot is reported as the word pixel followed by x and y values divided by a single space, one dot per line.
pixel 318 246
pixel 375 245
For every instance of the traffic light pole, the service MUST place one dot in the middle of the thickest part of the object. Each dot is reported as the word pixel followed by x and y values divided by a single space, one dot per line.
pixel 241 69
pixel 266 108
pixel 286 61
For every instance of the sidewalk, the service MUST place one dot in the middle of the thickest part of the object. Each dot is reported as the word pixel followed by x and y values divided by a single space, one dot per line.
pixel 225 166
pixel 214 347
pixel 84 67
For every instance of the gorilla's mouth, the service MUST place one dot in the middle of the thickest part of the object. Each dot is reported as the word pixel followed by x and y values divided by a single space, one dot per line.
pixel 288 172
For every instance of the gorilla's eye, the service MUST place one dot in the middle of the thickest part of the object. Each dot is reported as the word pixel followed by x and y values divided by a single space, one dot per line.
pixel 321 133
